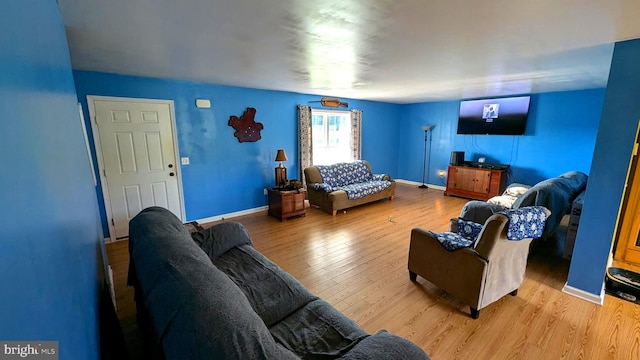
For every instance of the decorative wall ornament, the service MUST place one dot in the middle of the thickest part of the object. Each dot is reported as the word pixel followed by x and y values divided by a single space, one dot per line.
pixel 331 102
pixel 247 129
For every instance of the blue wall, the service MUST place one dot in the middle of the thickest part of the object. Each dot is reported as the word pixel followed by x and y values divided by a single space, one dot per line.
pixel 51 262
pixel 613 148
pixel 226 176
pixel 560 136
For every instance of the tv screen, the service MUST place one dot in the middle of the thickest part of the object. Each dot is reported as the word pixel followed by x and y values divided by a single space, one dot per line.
pixel 502 116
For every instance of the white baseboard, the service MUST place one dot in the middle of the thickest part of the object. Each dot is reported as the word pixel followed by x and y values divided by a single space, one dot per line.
pixel 112 290
pixel 231 215
pixel 584 295
pixel 431 186
pixel 216 218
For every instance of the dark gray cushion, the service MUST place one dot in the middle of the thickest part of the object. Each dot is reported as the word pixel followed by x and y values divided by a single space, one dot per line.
pixel 479 211
pixel 220 238
pixel 385 346
pixel 272 292
pixel 318 331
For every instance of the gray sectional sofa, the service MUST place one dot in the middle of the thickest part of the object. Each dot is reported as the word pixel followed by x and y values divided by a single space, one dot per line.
pixel 555 194
pixel 211 295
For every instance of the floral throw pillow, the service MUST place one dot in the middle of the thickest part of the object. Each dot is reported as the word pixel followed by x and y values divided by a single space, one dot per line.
pixel 469 229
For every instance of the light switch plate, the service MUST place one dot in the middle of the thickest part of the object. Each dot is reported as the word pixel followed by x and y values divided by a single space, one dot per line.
pixel 184 161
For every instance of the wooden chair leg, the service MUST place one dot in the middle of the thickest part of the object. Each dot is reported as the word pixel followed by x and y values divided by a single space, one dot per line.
pixel 413 276
pixel 514 292
pixel 474 313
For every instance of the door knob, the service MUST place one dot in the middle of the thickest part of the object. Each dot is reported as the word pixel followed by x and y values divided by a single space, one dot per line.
pixel 170 166
pixel 171 174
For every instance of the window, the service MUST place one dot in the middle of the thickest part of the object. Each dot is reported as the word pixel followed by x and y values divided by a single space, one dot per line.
pixel 331 134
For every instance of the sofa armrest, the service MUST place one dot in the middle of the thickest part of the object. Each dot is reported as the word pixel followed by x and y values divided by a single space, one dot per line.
pixel 479 211
pixel 312 175
pixel 381 177
pixel 221 238
pixel 322 187
pixel 384 345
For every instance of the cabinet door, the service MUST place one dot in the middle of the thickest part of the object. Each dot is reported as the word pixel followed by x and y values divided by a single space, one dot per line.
pixel 482 181
pixel 466 179
pixel 299 202
pixel 287 203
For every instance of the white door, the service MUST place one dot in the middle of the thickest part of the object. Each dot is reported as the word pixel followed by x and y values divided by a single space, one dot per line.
pixel 138 157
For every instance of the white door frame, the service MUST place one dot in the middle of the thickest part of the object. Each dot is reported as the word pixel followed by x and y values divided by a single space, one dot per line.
pixel 98 149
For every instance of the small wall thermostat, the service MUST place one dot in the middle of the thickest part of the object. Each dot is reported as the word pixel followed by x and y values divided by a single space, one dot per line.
pixel 203 103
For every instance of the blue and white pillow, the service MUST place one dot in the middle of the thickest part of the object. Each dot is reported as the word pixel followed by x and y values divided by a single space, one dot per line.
pixel 525 222
pixel 469 229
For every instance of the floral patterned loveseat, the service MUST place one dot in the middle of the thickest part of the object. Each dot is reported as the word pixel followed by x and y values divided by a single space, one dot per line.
pixel 344 185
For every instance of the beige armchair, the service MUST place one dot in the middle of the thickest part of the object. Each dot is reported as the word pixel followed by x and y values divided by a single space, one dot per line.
pixel 480 274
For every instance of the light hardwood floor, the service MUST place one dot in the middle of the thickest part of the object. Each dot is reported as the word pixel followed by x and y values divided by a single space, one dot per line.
pixel 357 261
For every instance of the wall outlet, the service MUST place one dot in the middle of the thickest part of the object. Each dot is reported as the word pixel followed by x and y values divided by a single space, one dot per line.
pixel 265 191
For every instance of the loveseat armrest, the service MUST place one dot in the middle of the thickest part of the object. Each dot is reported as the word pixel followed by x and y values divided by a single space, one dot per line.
pixel 381 177
pixel 322 187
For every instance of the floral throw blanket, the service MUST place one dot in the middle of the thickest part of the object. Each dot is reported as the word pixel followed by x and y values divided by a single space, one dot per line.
pixel 353 177
pixel 526 222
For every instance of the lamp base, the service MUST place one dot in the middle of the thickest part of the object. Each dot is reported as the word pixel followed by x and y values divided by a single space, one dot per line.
pixel 281 176
pixel 423 186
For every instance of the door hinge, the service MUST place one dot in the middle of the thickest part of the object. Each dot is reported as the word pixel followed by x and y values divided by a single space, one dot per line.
pixel 113 222
pixel 104 172
pixel 635 149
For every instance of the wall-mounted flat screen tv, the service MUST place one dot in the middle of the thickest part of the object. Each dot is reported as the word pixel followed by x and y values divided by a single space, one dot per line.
pixel 500 116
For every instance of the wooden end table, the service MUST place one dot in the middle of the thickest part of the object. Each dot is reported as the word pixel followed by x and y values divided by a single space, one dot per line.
pixel 284 204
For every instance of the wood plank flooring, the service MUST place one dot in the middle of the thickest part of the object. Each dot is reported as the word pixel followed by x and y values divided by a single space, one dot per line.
pixel 357 261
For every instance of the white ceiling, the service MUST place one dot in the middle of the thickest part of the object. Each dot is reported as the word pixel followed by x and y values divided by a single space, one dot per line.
pixel 401 51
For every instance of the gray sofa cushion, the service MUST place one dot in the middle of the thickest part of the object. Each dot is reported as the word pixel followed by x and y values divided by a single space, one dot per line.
pixel 318 331
pixel 221 238
pixel 272 292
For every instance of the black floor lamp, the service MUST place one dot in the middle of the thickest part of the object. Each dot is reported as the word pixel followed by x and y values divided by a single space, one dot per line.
pixel 426 129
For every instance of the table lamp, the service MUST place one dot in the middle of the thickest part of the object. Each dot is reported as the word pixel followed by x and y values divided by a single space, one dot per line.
pixel 281 171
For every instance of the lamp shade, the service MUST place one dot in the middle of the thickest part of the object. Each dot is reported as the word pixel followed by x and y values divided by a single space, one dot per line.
pixel 281 156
